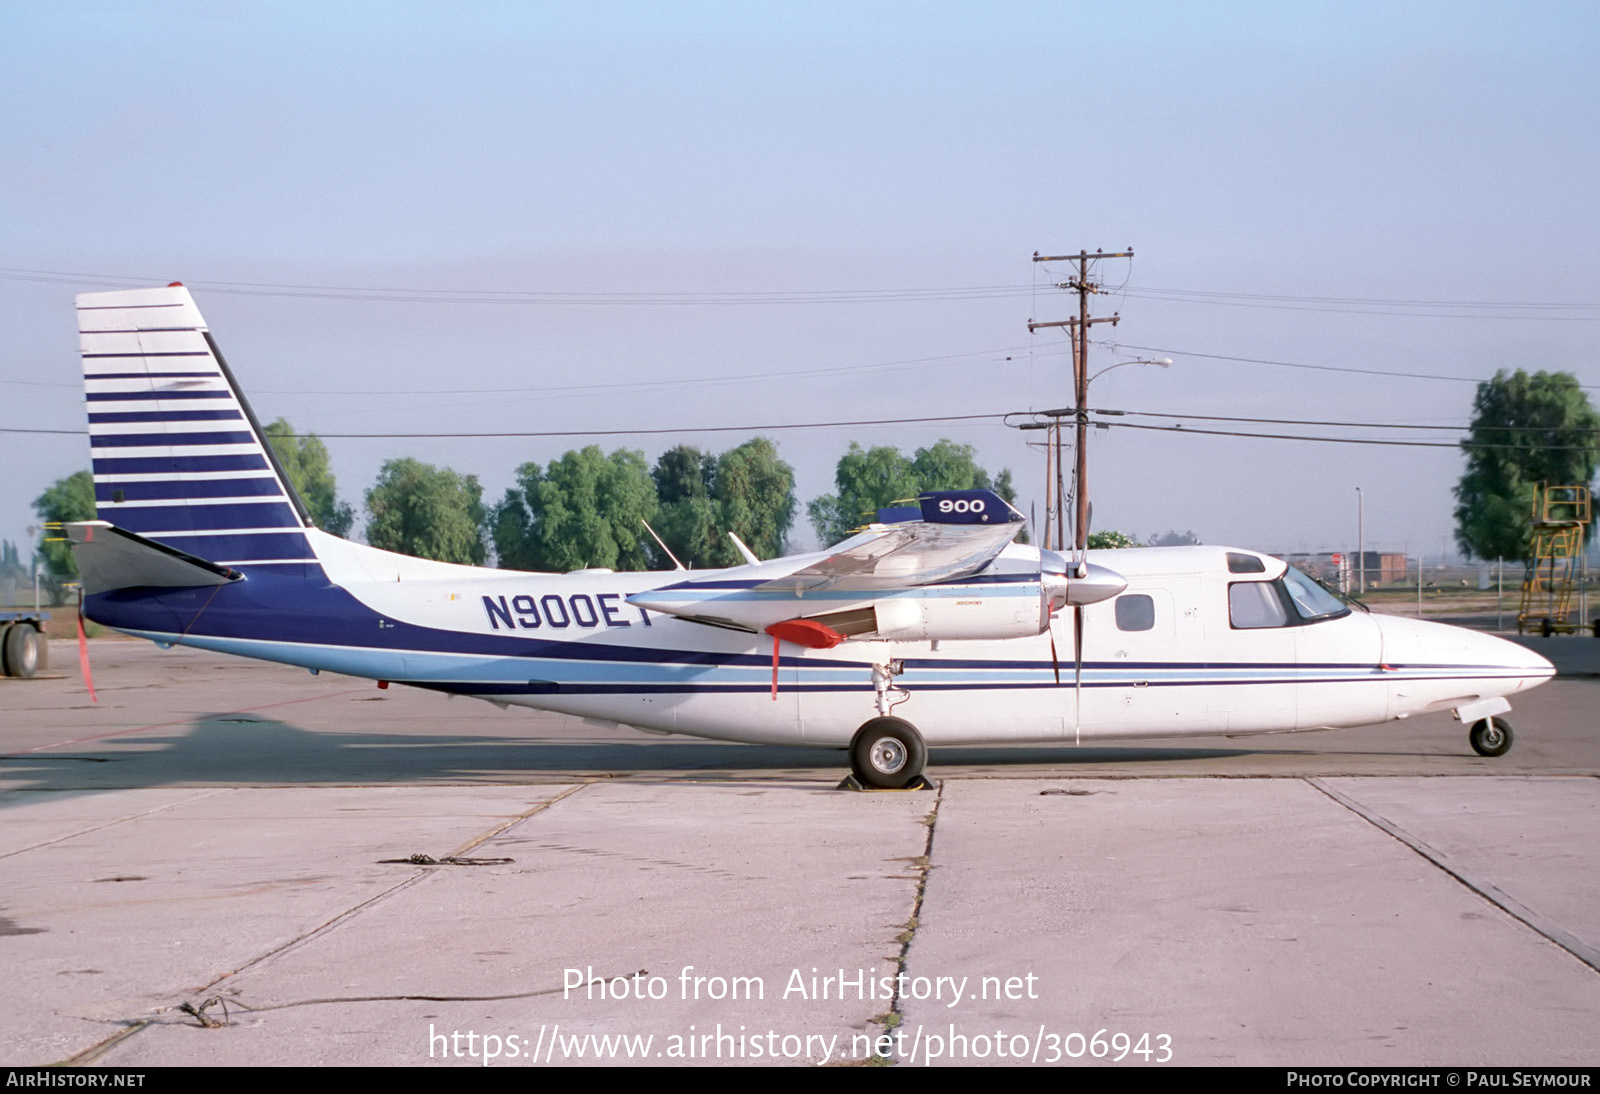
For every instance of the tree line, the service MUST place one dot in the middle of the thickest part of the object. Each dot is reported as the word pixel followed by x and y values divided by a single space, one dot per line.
pixel 587 508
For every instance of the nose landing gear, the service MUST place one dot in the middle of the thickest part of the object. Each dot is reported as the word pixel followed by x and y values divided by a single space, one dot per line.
pixel 1491 736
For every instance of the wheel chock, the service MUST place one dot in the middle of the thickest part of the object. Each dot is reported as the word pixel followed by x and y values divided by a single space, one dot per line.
pixel 852 783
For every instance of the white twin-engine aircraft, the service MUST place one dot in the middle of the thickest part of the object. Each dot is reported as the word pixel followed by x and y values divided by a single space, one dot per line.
pixel 929 628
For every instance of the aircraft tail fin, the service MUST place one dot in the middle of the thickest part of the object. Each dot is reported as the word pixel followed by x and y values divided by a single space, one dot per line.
pixel 179 458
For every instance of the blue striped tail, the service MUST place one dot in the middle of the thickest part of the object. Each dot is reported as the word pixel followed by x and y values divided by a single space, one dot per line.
pixel 178 456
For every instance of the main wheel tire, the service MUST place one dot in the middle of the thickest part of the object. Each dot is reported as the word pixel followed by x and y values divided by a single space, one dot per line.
pixel 22 650
pixel 887 753
pixel 1491 736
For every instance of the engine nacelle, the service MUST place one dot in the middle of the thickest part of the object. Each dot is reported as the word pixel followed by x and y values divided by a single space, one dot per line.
pixel 1022 613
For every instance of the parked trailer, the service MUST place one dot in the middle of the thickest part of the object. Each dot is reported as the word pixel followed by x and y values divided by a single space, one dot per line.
pixel 23 649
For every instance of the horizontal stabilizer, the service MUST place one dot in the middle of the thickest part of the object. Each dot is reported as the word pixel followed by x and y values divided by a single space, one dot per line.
pixel 111 558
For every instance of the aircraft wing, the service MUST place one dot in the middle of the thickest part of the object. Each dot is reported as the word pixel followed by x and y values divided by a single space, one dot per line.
pixel 960 533
pixel 901 557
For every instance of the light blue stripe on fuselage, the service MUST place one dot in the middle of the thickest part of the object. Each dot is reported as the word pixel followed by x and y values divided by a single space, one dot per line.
pixel 466 669
pixel 919 592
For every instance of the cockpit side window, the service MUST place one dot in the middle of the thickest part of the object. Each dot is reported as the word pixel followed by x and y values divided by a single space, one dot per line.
pixel 1311 600
pixel 1253 605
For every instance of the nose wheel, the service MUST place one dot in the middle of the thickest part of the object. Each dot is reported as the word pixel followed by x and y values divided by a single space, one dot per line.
pixel 887 754
pixel 1491 736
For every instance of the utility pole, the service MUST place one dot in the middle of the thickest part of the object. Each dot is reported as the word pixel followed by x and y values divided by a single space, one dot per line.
pixel 1079 329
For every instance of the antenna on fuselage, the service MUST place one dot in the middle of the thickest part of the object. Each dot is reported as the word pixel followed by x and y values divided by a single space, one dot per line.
pixel 749 555
pixel 676 565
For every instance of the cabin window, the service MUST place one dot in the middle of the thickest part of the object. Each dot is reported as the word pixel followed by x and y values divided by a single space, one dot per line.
pixel 1245 564
pixel 1253 605
pixel 1135 612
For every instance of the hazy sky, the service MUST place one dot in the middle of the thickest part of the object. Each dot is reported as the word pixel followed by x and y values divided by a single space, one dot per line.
pixel 703 154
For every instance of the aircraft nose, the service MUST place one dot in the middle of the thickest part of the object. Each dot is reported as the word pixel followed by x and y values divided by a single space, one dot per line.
pixel 1418 643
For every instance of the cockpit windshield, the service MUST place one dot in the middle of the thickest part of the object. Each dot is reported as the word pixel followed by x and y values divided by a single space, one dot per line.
pixel 1311 599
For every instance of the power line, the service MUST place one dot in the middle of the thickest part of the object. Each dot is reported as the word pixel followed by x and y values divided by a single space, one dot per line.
pixel 1351 440
pixel 1314 368
pixel 609 298
pixel 1004 353
pixel 414 294
pixel 781 426
pixel 1357 425
pixel 770 427
pixel 1424 309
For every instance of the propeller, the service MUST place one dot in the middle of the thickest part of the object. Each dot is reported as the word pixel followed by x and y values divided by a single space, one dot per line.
pixel 1077 672
pixel 1074 584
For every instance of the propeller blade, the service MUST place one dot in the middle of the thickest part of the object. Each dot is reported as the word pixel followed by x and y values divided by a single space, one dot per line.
pixel 1077 673
pixel 1055 662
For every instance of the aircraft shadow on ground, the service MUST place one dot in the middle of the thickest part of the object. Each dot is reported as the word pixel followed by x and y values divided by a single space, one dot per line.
pixel 238 749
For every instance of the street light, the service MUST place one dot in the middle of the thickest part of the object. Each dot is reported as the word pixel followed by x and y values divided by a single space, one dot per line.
pixel 1053 460
pixel 1159 362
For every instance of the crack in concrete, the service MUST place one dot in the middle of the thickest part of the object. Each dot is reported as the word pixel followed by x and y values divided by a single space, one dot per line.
pixel 1549 930
pixel 100 1048
pixel 892 1019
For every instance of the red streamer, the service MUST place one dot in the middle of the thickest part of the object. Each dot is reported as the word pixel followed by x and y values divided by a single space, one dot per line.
pixel 83 660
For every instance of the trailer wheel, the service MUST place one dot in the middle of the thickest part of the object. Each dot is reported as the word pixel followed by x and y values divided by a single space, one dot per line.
pixel 22 650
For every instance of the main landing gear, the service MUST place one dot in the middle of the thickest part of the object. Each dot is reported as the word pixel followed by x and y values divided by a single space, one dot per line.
pixel 887 753
pixel 1491 736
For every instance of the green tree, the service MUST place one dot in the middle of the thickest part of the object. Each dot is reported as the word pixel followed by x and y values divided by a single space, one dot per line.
pixel 867 480
pixel 747 490
pixel 585 509
pixel 305 461
pixel 68 499
pixel 427 512
pixel 688 521
pixel 754 491
pixel 1525 430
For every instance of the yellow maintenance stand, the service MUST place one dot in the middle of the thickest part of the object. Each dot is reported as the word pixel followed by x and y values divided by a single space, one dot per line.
pixel 1560 519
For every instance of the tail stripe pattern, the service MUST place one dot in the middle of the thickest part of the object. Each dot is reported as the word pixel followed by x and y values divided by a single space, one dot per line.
pixel 177 455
